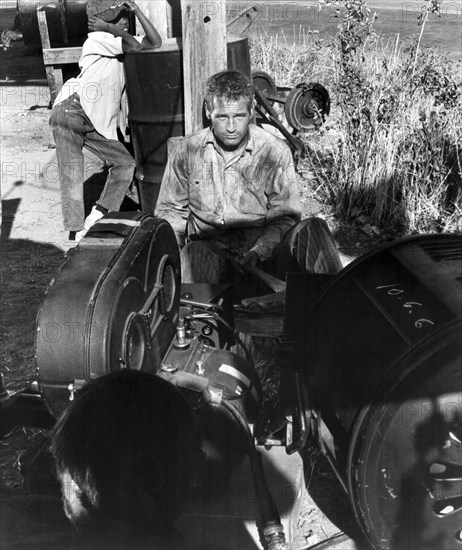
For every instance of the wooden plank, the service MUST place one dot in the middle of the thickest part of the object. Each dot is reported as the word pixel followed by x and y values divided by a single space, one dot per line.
pixel 159 13
pixel 204 53
pixel 242 21
pixel 43 28
pixel 72 55
pixel 61 56
pixel 54 75
pixel 261 315
pixel 170 45
pixel 265 325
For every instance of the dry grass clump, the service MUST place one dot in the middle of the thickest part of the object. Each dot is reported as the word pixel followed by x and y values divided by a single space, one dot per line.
pixel 289 63
pixel 391 150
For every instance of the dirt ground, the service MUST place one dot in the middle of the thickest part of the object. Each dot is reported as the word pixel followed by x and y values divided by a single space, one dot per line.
pixel 33 246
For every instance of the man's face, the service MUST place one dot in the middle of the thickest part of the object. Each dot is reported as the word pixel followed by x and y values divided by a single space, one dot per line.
pixel 230 122
pixel 123 24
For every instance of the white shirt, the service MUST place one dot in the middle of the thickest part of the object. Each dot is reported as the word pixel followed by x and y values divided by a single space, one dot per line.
pixel 101 83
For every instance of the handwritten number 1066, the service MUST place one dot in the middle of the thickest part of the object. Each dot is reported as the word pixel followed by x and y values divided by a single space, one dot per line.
pixel 412 307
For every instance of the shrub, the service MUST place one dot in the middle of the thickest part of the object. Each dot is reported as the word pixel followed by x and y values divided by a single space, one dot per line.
pixel 391 150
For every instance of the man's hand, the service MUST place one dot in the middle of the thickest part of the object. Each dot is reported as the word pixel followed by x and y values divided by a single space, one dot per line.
pixel 129 5
pixel 152 38
pixel 96 24
pixel 249 259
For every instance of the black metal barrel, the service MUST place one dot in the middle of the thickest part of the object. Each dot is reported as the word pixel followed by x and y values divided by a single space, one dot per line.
pixel 382 357
pixel 156 106
pixel 67 22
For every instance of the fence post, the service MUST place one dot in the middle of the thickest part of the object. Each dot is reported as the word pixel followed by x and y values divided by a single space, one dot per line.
pixel 204 53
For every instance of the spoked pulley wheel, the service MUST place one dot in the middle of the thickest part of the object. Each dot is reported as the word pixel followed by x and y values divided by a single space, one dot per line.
pixel 307 106
pixel 264 83
pixel 405 464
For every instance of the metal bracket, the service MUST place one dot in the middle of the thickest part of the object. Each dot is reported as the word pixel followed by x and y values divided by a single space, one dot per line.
pixel 272 118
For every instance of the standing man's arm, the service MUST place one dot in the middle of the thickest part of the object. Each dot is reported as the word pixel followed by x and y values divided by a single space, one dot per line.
pixel 152 38
pixel 129 42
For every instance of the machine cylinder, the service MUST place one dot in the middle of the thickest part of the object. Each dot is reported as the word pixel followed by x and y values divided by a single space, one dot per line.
pixel 382 356
pixel 156 106
pixel 67 22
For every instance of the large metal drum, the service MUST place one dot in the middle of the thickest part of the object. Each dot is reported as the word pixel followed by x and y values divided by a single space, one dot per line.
pixel 114 304
pixel 67 22
pixel 383 361
pixel 156 110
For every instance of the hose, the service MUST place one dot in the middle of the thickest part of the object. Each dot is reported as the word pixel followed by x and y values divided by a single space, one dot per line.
pixel 269 524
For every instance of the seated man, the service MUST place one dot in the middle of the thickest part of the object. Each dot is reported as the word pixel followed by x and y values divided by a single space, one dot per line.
pixel 124 455
pixel 231 193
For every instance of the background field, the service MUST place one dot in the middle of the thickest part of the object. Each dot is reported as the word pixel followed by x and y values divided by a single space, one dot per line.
pixel 296 18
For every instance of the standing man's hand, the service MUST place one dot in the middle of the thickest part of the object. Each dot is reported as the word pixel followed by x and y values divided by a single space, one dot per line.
pixel 129 5
pixel 152 38
pixel 95 24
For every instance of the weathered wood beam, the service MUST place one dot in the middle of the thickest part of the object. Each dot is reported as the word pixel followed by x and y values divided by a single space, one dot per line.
pixel 61 56
pixel 204 53
pixel 54 74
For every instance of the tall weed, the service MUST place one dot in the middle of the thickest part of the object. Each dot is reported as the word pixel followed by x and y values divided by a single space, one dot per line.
pixel 391 150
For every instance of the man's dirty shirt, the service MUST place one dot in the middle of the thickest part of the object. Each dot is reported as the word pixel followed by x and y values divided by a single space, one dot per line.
pixel 246 204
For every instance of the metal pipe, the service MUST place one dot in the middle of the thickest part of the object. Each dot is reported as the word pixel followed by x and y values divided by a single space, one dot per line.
pixel 269 524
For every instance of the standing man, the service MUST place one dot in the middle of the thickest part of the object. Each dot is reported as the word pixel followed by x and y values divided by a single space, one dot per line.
pixel 231 193
pixel 91 108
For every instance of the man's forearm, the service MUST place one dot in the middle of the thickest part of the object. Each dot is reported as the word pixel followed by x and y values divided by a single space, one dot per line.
pixel 117 31
pixel 176 218
pixel 129 42
pixel 153 37
pixel 272 236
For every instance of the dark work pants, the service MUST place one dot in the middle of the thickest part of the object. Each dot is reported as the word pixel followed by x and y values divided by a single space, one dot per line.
pixel 307 247
pixel 73 130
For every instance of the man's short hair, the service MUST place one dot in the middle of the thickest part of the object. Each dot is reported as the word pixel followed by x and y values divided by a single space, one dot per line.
pixel 229 85
pixel 128 441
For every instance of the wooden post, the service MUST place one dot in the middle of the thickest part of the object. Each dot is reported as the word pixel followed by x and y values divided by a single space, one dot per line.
pixel 54 58
pixel 159 13
pixel 204 53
